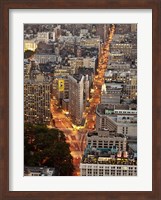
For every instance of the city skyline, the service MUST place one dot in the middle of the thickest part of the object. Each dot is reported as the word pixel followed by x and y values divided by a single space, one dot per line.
pixel 82 80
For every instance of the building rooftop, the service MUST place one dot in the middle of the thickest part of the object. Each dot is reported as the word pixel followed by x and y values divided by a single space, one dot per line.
pixel 78 77
pixel 66 100
pixel 108 156
pixel 111 134
pixel 133 146
pixel 114 85
pixel 85 71
pixel 41 170
pixel 102 107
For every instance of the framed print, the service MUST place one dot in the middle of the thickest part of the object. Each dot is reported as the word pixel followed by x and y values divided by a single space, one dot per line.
pixel 80 102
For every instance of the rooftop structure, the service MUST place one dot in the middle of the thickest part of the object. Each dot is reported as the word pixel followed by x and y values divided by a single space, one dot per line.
pixel 106 139
pixel 39 171
pixel 120 118
pixel 107 162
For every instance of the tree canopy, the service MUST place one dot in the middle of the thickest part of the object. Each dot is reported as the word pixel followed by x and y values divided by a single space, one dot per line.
pixel 28 54
pixel 47 147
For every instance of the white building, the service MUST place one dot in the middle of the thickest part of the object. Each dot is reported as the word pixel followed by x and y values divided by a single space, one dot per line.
pixel 44 58
pixel 43 37
pixel 97 141
pixel 107 170
pixel 108 162
pixel 125 48
pixel 117 118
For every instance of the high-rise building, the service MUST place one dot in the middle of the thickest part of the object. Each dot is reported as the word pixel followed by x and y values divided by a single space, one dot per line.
pixel 37 95
pixel 76 100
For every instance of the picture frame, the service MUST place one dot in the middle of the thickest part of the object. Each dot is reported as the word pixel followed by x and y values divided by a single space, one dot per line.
pixel 5 6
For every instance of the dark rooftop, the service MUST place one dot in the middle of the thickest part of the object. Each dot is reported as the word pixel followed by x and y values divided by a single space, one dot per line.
pixel 102 107
pixel 85 71
pixel 107 156
pixel 78 77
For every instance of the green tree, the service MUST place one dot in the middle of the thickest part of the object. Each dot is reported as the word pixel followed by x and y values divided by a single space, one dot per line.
pixel 47 147
pixel 28 54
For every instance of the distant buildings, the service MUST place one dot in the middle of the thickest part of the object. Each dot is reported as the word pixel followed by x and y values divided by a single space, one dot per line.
pixel 131 88
pixel 75 63
pixel 43 37
pixel 87 62
pixel 116 56
pixel 39 171
pixel 30 45
pixel 90 42
pixel 134 28
pixel 27 69
pixel 45 58
pixel 118 66
pixel 90 63
pixel 112 149
pixel 64 67
pixel 124 48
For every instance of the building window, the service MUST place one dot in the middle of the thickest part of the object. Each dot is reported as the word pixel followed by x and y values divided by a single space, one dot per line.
pixel 95 172
pixel 101 172
pixel 83 172
pixel 119 173
pixel 130 173
pixel 89 172
pixel 106 172
pixel 112 172
pixel 124 172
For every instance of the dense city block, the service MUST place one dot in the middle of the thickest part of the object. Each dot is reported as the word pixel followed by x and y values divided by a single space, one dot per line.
pixel 80 99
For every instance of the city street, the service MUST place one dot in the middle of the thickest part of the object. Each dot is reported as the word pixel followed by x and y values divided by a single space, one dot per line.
pixel 77 138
